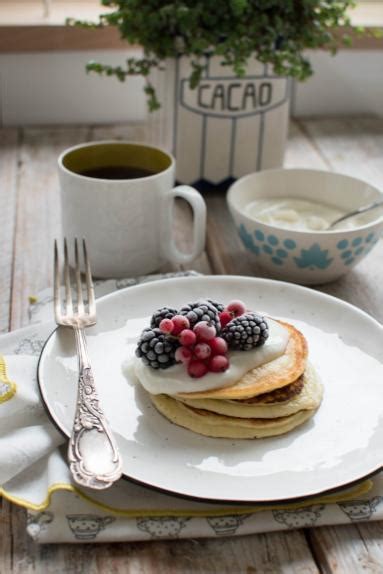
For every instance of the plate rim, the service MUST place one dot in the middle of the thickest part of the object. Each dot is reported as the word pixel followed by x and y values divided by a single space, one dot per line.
pixel 182 495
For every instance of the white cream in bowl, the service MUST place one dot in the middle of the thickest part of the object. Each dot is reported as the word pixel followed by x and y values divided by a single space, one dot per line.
pixel 303 214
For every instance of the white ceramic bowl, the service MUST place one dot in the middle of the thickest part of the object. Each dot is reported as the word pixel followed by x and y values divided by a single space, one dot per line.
pixel 307 257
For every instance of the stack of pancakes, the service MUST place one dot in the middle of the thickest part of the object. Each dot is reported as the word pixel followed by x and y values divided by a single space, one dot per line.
pixel 269 400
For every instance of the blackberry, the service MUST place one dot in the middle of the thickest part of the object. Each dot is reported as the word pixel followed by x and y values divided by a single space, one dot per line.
pixel 155 349
pixel 201 311
pixel 163 313
pixel 246 332
pixel 219 306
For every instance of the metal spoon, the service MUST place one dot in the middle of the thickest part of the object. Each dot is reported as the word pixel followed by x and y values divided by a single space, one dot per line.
pixel 363 209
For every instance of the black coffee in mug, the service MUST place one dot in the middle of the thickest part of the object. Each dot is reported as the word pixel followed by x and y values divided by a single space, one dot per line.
pixel 117 172
pixel 116 161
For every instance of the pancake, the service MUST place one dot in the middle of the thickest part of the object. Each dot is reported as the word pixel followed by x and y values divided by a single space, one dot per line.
pixel 221 426
pixel 273 375
pixel 308 399
pixel 278 395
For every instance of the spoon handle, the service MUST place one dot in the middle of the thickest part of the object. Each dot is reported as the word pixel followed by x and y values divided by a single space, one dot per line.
pixel 363 209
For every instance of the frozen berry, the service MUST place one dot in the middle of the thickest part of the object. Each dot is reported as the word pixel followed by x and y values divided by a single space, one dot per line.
pixel 183 355
pixel 187 337
pixel 197 369
pixel 218 364
pixel 163 313
pixel 225 318
pixel 204 331
pixel 180 323
pixel 246 332
pixel 219 306
pixel 155 349
pixel 202 351
pixel 218 346
pixel 166 326
pixel 201 311
pixel 236 308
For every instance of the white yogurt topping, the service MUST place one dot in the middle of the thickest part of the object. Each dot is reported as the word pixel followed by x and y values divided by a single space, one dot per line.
pixel 176 380
pixel 303 215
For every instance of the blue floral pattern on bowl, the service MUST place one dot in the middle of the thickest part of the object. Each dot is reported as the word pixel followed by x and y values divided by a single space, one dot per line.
pixel 351 250
pixel 281 251
pixel 247 240
pixel 313 257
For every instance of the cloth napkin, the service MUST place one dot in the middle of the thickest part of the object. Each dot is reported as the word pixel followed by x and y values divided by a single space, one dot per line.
pixel 34 473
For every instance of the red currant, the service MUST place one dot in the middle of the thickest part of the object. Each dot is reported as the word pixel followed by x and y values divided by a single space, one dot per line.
pixel 218 364
pixel 225 318
pixel 183 355
pixel 180 323
pixel 166 326
pixel 197 369
pixel 204 331
pixel 187 337
pixel 202 351
pixel 236 308
pixel 218 346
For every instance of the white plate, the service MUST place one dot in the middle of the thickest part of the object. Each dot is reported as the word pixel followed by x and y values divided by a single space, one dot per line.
pixel 343 442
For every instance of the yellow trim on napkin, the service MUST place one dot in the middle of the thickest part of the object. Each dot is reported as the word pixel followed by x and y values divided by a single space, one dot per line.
pixel 4 379
pixel 349 494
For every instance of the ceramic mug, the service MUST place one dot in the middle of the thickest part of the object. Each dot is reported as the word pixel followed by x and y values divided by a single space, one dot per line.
pixel 127 222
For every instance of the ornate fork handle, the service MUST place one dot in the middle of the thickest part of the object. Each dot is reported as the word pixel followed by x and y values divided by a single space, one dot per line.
pixel 93 454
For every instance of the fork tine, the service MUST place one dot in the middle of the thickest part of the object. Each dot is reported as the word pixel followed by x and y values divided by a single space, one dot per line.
pixel 56 283
pixel 80 300
pixel 68 293
pixel 89 282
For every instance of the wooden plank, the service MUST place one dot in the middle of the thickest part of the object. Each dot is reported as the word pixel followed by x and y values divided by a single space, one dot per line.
pixel 301 150
pixel 135 132
pixel 8 193
pixel 268 554
pixel 38 215
pixel 60 38
pixel 27 39
pixel 274 553
pixel 342 549
pixel 372 536
pixel 352 146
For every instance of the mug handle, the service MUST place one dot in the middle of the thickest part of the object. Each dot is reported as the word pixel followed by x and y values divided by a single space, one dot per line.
pixel 169 249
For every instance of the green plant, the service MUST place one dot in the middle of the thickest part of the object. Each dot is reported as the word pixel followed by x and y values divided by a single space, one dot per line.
pixel 274 31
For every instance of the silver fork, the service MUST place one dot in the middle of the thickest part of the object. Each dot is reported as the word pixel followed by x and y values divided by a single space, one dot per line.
pixel 93 455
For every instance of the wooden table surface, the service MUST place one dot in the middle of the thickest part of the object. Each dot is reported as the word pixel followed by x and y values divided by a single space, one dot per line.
pixel 30 220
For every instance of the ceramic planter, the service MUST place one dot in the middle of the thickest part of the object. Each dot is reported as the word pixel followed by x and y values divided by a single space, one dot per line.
pixel 226 127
